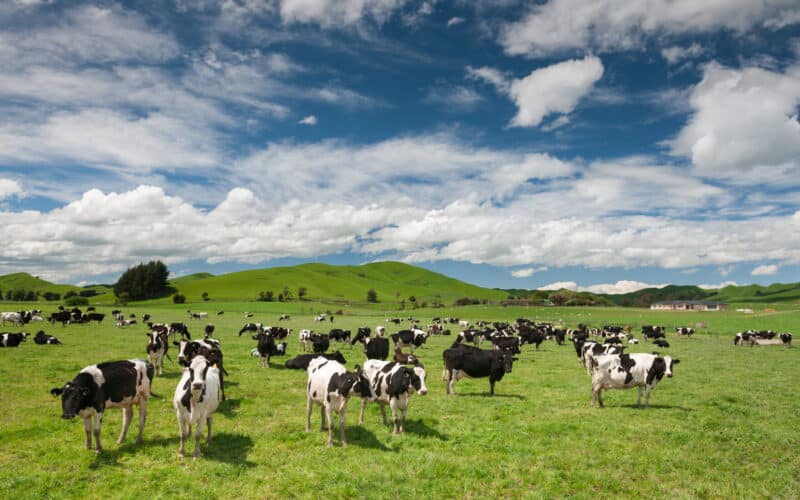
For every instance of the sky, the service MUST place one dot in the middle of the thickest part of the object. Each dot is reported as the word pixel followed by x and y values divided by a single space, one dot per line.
pixel 601 145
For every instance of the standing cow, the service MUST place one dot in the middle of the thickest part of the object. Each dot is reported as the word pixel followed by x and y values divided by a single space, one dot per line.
pixel 196 399
pixel 624 371
pixel 115 384
pixel 393 384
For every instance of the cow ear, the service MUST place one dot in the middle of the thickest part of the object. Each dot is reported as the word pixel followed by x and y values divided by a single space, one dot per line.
pixel 56 391
pixel 676 361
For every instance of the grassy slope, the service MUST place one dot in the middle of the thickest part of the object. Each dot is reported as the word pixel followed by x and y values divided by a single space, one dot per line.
pixel 24 281
pixel 337 282
pixel 537 437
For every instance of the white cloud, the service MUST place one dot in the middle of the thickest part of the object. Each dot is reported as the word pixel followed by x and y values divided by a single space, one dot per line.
pixel 676 54
pixel 558 285
pixel 527 272
pixel 742 119
pixel 9 188
pixel 620 287
pixel 308 120
pixel 765 270
pixel 718 285
pixel 338 13
pixel 559 26
pixel 455 97
pixel 455 21
pixel 555 89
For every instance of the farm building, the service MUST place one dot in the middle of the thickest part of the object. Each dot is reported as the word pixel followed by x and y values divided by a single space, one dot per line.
pixel 688 305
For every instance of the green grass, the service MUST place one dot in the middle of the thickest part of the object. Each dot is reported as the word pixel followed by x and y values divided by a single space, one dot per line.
pixel 725 426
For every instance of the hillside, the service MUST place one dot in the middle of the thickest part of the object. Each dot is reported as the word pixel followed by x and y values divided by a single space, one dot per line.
pixel 350 283
pixel 24 281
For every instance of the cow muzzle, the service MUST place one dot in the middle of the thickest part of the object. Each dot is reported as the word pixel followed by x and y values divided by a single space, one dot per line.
pixel 423 392
pixel 198 386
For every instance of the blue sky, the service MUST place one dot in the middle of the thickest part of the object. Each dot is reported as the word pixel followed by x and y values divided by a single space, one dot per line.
pixel 604 145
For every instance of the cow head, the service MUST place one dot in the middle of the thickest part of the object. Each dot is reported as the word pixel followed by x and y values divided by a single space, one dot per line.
pixel 507 359
pixel 361 386
pixel 197 376
pixel 75 395
pixel 418 380
pixel 185 351
pixel 670 363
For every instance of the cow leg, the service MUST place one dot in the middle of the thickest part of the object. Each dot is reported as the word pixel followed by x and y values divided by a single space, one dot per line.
pixel 383 412
pixel 491 387
pixel 403 418
pixel 127 416
pixel 87 426
pixel 323 416
pixel 647 396
pixel 208 435
pixel 393 406
pixel 222 383
pixel 198 430
pixel 363 409
pixel 185 429
pixel 142 417
pixel 326 408
pixel 309 407
pixel 639 399
pixel 98 423
pixel 342 414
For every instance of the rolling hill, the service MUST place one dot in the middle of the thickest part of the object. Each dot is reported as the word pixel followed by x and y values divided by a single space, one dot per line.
pixel 27 282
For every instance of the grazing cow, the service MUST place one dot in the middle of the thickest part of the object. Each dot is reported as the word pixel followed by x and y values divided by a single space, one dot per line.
pixel 684 330
pixel 742 337
pixel 209 349
pixel 320 342
pixel 61 316
pixel 586 350
pixel 339 335
pixel 661 343
pixel 12 339
pixel 403 358
pixel 251 327
pixel 786 338
pixel 410 338
pixel 42 339
pixel 209 330
pixel 330 385
pixel 115 384
pixel 278 332
pixel 157 347
pixel 179 328
pixel 393 384
pixel 510 343
pixel 653 332
pixel 301 361
pixel 94 317
pixel 467 361
pixel 376 348
pixel 530 335
pixel 197 397
pixel 396 321
pixel 284 317
pixel 623 371
pixel 304 337
pixel 268 348
pixel 145 318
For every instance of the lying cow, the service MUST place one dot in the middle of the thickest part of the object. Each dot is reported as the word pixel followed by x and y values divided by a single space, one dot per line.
pixel 467 361
pixel 196 399
pixel 330 385
pixel 393 384
pixel 624 371
pixel 302 361
pixel 12 339
pixel 42 338
pixel 116 384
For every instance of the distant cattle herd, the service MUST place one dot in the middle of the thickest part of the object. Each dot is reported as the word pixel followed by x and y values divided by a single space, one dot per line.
pixel 330 385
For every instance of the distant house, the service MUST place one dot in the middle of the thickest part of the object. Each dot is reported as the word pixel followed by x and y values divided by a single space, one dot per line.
pixel 688 305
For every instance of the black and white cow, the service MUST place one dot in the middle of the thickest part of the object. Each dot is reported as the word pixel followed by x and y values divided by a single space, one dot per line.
pixel 12 339
pixel 284 317
pixel 62 317
pixel 624 371
pixel 268 348
pixel 301 361
pixel 157 347
pixel 684 330
pixel 661 343
pixel 510 343
pixel 179 328
pixel 330 385
pixel 209 330
pixel 413 338
pixel 586 350
pixel 339 335
pixel 393 384
pixel 209 349
pixel 251 327
pixel 197 397
pixel 653 332
pixel 42 338
pixel 466 361
pixel 115 384
pixel 786 338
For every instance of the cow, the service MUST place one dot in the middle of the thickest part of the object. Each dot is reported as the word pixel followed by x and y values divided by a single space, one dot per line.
pixel 179 328
pixel 157 347
pixel 12 339
pixel 94 316
pixel 633 341
pixel 15 318
pixel 684 330
pixel 320 343
pixel 586 350
pixel 284 317
pixel 742 337
pixel 393 384
pixel 330 385
pixel 661 343
pixel 623 371
pixel 467 361
pixel 209 349
pixel 786 338
pixel 510 343
pixel 403 358
pixel 115 384
pixel 145 318
pixel 304 337
pixel 376 348
pixel 380 331
pixel 268 348
pixel 301 361
pixel 197 397
pixel 529 335
pixel 414 338
pixel 43 339
pixel 339 335
pixel 653 332
pixel 277 332
pixel 197 315
pixel 320 317
pixel 251 327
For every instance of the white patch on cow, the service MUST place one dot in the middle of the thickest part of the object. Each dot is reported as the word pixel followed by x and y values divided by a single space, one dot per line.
pixel 96 374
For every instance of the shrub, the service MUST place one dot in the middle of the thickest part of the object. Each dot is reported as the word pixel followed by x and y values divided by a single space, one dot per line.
pixel 372 295
pixel 178 298
pixel 76 300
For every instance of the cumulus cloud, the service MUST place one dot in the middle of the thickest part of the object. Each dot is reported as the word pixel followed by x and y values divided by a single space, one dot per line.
pixel 559 285
pixel 742 119
pixel 717 286
pixel 676 53
pixel 337 13
pixel 559 26
pixel 308 120
pixel 554 89
pixel 765 270
pixel 620 287
pixel 527 272
pixel 9 188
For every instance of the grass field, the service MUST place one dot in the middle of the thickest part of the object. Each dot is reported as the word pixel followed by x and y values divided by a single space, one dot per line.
pixel 726 425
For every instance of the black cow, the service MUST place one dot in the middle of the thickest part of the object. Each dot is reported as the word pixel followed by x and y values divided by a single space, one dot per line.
pixel 661 343
pixel 361 334
pixel 41 338
pixel 339 335
pixel 530 335
pixel 94 317
pixel 653 332
pixel 251 327
pixel 63 317
pixel 12 339
pixel 321 343
pixel 510 343
pixel 116 384
pixel 268 348
pixel 209 330
pixel 279 333
pixel 301 362
pixel 464 360
pixel 376 348
pixel 786 338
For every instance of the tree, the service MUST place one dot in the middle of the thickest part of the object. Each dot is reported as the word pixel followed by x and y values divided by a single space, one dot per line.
pixel 372 295
pixel 123 298
pixel 143 281
pixel 205 296
pixel 51 296
pixel 178 298
pixel 287 294
pixel 70 293
pixel 76 300
pixel 268 296
pixel 301 292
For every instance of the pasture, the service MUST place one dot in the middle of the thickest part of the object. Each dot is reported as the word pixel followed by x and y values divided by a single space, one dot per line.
pixel 726 425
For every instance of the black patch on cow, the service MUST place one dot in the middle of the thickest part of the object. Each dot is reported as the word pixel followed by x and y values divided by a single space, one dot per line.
pixel 656 371
pixel 388 367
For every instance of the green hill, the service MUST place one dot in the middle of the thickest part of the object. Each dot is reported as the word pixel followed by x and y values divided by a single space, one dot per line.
pixel 350 283
pixel 28 283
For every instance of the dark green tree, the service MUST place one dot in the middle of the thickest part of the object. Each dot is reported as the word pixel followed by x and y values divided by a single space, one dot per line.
pixel 178 298
pixel 143 281
pixel 372 295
